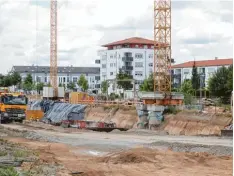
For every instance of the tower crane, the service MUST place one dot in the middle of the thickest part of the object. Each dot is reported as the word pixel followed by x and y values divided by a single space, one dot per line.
pixel 53 47
pixel 162 46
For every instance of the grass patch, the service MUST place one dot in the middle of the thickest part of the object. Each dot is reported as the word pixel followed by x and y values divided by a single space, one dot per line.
pixel 3 153
pixel 8 171
pixel 20 154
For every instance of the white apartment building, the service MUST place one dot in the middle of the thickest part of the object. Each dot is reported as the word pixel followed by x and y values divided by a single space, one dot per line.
pixel 133 55
pixel 206 68
pixel 65 74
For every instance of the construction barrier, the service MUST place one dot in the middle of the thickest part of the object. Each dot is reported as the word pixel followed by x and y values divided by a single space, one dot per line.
pixel 34 114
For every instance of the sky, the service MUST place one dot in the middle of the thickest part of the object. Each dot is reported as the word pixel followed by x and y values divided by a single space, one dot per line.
pixel 200 29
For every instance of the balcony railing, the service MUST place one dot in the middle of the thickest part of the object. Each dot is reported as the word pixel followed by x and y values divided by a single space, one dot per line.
pixel 127 59
pixel 127 67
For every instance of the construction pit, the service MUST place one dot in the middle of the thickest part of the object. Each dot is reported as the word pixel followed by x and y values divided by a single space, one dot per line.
pixel 187 143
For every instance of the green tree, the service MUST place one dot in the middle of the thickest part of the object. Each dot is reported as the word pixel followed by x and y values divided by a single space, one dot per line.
pixel 15 78
pixel 83 83
pixel 220 84
pixel 148 84
pixel 28 83
pixel 39 86
pixel 123 80
pixel 195 78
pixel 104 87
pixel 7 81
pixel 230 78
pixel 71 85
pixel 187 87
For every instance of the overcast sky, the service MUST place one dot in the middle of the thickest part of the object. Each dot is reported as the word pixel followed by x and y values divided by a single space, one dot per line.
pixel 200 29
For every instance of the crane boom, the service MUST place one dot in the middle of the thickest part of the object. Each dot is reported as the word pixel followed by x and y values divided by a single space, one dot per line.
pixel 162 45
pixel 53 46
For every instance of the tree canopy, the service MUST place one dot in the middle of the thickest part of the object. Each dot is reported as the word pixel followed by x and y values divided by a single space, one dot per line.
pixel 71 85
pixel 221 83
pixel 28 83
pixel 12 78
pixel 83 83
pixel 195 78
pixel 104 87
pixel 123 80
pixel 148 84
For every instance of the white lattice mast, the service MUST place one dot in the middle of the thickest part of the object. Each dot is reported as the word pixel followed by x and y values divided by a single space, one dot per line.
pixel 53 46
pixel 162 46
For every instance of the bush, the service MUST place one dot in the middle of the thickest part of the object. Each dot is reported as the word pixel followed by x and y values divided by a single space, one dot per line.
pixel 188 99
pixel 8 171
pixel 171 110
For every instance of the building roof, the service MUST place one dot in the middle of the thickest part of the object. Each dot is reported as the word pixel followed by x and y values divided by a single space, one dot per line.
pixel 46 69
pixel 205 63
pixel 133 40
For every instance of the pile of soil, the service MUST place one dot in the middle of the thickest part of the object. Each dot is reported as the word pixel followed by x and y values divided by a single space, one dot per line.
pixel 125 158
pixel 192 124
pixel 124 117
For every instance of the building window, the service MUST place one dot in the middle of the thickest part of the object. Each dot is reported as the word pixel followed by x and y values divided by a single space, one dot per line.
pixel 45 79
pixel 139 64
pixel 186 71
pixel 74 80
pixel 64 79
pixel 138 73
pixel 151 55
pixel 150 64
pixel 38 79
pixel 139 56
pixel 127 54
pixel 111 56
pixel 97 78
pixel 68 80
pixel 103 65
pixel 111 73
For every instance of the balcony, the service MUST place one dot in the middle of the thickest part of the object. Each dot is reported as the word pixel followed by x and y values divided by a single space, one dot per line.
pixel 125 68
pixel 127 59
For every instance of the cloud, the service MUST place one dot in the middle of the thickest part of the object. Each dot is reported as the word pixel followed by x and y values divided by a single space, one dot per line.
pixel 200 29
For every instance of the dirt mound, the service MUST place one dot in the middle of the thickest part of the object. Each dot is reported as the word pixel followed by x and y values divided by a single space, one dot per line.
pixel 188 123
pixel 124 117
pixel 124 158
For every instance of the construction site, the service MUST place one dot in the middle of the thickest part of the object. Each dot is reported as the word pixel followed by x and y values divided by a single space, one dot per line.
pixel 75 133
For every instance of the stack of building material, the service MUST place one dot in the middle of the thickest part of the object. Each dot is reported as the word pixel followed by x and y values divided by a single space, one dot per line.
pixel 64 111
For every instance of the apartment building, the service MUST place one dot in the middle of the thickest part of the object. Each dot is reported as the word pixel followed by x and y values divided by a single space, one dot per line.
pixel 65 74
pixel 133 56
pixel 206 68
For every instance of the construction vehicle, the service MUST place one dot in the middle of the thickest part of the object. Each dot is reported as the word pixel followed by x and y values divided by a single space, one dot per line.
pixel 12 107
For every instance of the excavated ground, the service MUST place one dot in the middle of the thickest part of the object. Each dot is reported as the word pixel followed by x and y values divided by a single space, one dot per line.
pixel 120 154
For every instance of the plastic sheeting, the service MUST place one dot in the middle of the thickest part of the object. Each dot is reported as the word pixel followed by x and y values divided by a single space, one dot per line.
pixel 35 105
pixel 64 111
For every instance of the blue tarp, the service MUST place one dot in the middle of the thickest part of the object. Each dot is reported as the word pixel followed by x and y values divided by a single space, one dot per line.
pixel 64 111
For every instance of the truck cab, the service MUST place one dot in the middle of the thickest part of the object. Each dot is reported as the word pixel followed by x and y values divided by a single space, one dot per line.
pixel 13 107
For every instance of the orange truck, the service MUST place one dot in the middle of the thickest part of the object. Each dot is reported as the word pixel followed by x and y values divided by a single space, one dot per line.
pixel 12 106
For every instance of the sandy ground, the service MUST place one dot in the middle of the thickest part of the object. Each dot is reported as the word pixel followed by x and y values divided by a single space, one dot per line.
pixel 101 154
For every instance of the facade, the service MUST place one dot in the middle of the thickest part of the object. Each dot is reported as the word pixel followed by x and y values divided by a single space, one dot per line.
pixel 65 74
pixel 133 56
pixel 206 68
